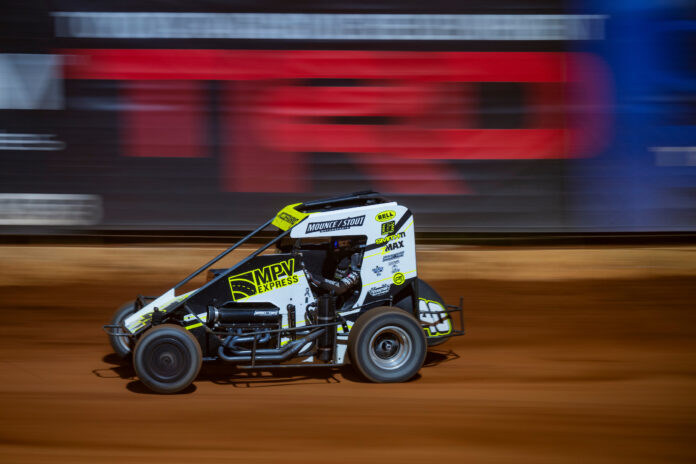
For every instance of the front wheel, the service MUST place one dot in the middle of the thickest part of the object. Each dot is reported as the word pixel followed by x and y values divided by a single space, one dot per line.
pixel 167 358
pixel 387 345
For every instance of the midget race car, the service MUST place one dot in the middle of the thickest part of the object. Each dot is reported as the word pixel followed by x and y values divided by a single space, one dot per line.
pixel 266 312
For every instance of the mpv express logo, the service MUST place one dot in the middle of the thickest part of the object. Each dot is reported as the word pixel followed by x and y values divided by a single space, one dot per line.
pixel 338 224
pixel 263 280
pixel 385 216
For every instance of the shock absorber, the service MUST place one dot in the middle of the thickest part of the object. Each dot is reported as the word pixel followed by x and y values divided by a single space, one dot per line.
pixel 326 314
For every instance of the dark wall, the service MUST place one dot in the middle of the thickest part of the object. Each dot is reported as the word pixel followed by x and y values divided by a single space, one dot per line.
pixel 513 116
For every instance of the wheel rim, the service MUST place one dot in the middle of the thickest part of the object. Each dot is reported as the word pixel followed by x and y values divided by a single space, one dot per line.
pixel 168 360
pixel 390 347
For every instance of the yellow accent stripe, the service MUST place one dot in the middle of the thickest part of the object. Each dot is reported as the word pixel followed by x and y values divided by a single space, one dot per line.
pixel 340 328
pixel 297 324
pixel 189 327
pixel 388 278
pixel 375 254
pixel 184 296
pixel 438 334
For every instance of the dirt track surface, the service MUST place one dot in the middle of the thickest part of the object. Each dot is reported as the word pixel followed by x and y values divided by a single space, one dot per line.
pixel 591 369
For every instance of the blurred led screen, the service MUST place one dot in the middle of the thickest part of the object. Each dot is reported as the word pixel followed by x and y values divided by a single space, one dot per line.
pixel 485 117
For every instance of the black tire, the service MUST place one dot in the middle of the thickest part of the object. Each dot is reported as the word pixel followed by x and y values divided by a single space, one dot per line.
pixel 435 341
pixel 167 358
pixel 425 291
pixel 387 345
pixel 123 346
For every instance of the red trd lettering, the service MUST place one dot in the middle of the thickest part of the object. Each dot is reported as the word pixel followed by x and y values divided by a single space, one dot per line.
pixel 408 114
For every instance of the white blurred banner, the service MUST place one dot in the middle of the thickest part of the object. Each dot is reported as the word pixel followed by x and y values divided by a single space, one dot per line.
pixel 328 26
pixel 30 82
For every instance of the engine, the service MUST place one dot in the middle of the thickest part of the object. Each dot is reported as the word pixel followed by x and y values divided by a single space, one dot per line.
pixel 251 332
pixel 239 320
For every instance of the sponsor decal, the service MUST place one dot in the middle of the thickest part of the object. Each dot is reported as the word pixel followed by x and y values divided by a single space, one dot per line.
pixel 379 291
pixel 283 216
pixel 378 270
pixel 288 217
pixel 389 238
pixel 385 216
pixel 388 228
pixel 337 224
pixel 262 312
pixel 399 278
pixel 393 256
pixel 394 246
pixel 263 280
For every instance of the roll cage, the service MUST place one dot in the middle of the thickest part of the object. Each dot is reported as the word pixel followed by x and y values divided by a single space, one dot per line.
pixel 287 219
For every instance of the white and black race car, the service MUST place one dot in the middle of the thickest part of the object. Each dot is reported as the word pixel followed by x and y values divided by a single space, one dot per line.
pixel 282 308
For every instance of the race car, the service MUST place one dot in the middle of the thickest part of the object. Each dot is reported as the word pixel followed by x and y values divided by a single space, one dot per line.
pixel 337 284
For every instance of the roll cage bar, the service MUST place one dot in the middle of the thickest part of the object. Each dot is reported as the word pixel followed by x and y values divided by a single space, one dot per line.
pixel 362 198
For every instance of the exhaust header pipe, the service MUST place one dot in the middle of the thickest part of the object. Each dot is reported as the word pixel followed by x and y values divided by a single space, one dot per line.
pixel 269 355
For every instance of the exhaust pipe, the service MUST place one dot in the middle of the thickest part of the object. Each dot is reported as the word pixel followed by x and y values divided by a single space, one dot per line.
pixel 231 341
pixel 268 354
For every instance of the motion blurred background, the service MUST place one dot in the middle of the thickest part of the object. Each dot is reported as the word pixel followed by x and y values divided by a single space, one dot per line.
pixel 157 128
pixel 506 116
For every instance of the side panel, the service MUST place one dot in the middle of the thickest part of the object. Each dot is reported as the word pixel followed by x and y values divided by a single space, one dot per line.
pixel 389 263
pixel 277 279
pixel 389 260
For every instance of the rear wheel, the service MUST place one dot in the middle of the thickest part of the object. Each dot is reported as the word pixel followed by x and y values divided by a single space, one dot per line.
pixel 167 358
pixel 123 346
pixel 387 345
